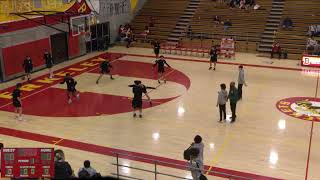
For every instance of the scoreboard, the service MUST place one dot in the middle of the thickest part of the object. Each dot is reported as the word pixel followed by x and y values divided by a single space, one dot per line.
pixel 309 60
pixel 27 162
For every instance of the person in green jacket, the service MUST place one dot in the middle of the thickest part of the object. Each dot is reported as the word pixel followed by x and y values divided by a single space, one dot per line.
pixel 233 97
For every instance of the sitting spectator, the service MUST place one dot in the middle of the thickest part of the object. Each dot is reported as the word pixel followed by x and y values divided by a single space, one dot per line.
pixel 121 32
pixel 189 32
pixel 314 30
pixel 287 23
pixel 129 37
pixel 217 20
pixel 313 46
pixel 276 48
pixel 242 4
pixel 87 171
pixel 151 21
pixel 227 24
pixel 232 3
pixel 62 168
pixel 146 32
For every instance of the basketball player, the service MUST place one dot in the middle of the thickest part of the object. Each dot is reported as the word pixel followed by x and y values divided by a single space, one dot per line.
pixel 49 62
pixel 28 66
pixel 138 89
pixel 161 62
pixel 156 48
pixel 213 58
pixel 71 88
pixel 16 101
pixel 105 69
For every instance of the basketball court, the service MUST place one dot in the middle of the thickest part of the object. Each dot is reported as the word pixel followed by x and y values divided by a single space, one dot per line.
pixel 270 139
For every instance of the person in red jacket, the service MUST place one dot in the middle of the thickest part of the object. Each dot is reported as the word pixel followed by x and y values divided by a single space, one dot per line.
pixel 276 48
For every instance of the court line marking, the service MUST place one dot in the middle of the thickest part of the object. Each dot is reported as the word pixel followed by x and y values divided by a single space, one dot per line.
pixel 37 92
pixel 311 136
pixel 56 142
pixel 220 152
pixel 226 63
pixel 135 156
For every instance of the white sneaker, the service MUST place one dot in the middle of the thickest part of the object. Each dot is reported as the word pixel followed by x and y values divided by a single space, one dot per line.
pixel 78 97
pixel 69 101
pixel 20 118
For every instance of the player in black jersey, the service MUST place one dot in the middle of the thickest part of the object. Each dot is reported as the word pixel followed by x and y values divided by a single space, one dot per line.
pixel 28 66
pixel 16 101
pixel 105 69
pixel 138 89
pixel 49 62
pixel 156 48
pixel 71 88
pixel 213 57
pixel 161 62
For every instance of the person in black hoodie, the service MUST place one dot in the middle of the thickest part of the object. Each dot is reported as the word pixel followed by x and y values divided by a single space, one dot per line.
pixel 62 168
pixel 28 67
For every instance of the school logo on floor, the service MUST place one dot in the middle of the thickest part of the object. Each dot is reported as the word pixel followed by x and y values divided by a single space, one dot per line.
pixel 305 108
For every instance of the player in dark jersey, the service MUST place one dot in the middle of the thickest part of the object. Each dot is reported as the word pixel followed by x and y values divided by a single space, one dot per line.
pixel 71 88
pixel 156 48
pixel 161 62
pixel 28 66
pixel 213 57
pixel 49 62
pixel 105 69
pixel 138 89
pixel 16 101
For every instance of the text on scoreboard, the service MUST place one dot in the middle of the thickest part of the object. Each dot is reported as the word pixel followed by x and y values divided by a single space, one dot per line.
pixel 27 162
pixel 313 61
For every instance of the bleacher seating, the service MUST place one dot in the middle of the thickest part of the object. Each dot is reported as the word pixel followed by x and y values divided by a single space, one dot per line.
pixel 303 14
pixel 165 12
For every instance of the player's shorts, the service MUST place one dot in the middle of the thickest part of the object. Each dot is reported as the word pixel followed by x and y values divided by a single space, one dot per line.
pixel 213 59
pixel 16 103
pixel 49 65
pixel 28 69
pixel 105 71
pixel 137 103
pixel 160 70
pixel 72 89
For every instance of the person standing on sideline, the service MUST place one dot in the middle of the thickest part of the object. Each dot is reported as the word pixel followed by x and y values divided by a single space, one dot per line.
pixel 16 101
pixel 199 145
pixel 28 66
pixel 241 81
pixel 195 164
pixel 213 57
pixel 49 62
pixel 222 100
pixel 233 97
pixel 156 48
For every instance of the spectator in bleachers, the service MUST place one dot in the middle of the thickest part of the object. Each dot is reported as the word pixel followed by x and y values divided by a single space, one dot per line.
pixel 276 48
pixel 313 46
pixel 227 24
pixel 232 4
pixel 287 23
pixel 121 31
pixel 189 32
pixel 62 168
pixel 129 37
pixel 217 20
pixel 145 33
pixel 87 171
pixel 314 30
pixel 151 21
pixel 242 4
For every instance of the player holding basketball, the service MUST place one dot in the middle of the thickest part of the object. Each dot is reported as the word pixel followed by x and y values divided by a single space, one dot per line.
pixel 49 62
pixel 161 62
pixel 105 69
pixel 71 87
pixel 213 58
pixel 28 66
pixel 16 101
pixel 138 89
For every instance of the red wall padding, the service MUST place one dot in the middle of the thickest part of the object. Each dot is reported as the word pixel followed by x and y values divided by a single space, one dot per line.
pixel 73 46
pixel 13 56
